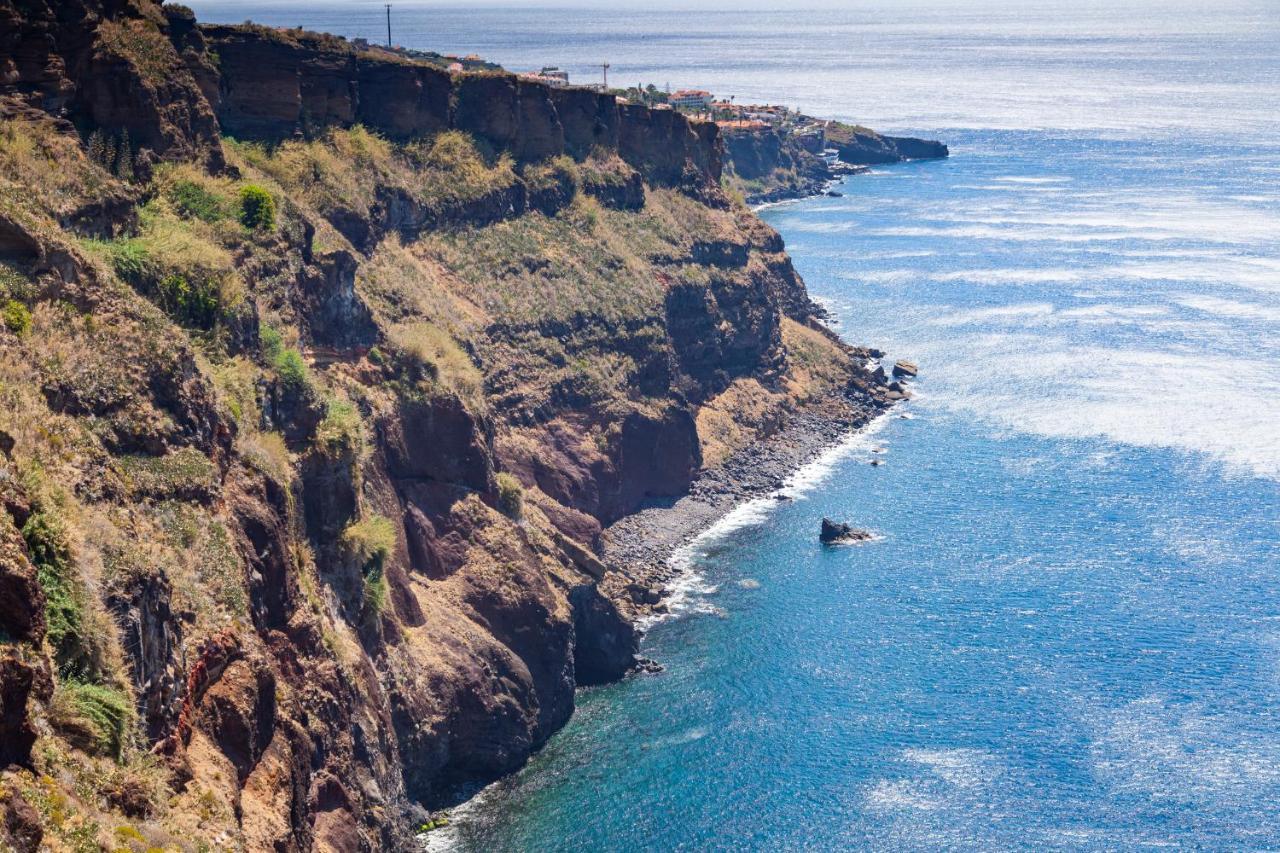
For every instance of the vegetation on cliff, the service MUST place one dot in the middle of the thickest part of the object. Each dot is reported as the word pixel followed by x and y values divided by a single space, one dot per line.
pixel 307 438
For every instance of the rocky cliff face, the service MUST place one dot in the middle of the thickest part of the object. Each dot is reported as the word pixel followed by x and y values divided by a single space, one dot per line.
pixel 316 396
pixel 863 147
pixel 275 85
pixel 766 165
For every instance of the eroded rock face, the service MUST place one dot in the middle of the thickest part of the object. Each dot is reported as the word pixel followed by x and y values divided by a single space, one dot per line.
pixel 20 828
pixel 21 682
pixel 276 85
pixel 105 66
pixel 152 641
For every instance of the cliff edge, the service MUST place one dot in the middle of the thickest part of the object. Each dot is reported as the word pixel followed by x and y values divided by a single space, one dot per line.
pixel 322 373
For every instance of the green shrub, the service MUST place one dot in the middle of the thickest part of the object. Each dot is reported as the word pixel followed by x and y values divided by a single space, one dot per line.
pixel 375 590
pixel 291 369
pixel 191 304
pixel 257 208
pixel 370 540
pixel 63 605
pixel 287 362
pixel 271 342
pixel 99 714
pixel 195 202
pixel 17 317
pixel 510 495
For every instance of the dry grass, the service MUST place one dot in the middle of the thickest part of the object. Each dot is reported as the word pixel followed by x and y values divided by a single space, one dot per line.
pixel 142 44
pixel 538 268
pixel 441 357
pixel 46 169
pixel 400 284
pixel 738 416
pixel 450 169
pixel 816 364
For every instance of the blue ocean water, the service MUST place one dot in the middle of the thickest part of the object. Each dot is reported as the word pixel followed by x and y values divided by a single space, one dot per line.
pixel 1067 633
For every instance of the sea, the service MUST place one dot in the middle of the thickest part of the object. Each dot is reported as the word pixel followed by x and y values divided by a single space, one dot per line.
pixel 1065 634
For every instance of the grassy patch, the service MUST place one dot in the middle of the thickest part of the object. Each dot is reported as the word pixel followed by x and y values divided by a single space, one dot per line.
pixel 212 566
pixel 64 598
pixel 451 170
pixel 47 169
pixel 139 41
pixel 191 277
pixel 341 432
pixel 195 201
pixel 370 540
pixel 185 473
pixel 435 354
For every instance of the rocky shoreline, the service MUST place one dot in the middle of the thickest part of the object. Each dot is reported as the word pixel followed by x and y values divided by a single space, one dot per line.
pixel 638 548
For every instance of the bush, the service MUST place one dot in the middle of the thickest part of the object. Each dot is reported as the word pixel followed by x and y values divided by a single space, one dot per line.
pixel 291 369
pixel 510 495
pixel 257 208
pixel 17 317
pixel 271 342
pixel 195 202
pixel 286 361
pixel 375 590
pixel 63 607
pixel 370 540
pixel 192 305
pixel 94 716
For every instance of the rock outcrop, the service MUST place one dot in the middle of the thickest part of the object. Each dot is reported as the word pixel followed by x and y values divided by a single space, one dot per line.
pixel 837 532
pixel 862 147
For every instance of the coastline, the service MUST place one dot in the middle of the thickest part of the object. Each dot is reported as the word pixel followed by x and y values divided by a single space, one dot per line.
pixel 641 550
pixel 646 552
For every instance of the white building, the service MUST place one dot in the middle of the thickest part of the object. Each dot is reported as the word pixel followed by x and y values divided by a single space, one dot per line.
pixel 690 99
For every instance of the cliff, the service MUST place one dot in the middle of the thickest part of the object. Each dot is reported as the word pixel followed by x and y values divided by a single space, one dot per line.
pixel 766 165
pixel 861 146
pixel 322 372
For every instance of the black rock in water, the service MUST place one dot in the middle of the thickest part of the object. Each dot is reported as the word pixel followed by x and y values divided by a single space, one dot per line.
pixel 836 531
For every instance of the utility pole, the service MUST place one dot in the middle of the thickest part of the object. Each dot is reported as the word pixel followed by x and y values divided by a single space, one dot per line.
pixel 604 68
pixel 388 25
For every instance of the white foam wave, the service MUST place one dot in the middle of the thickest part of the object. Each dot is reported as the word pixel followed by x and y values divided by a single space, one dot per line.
pixel 689 591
